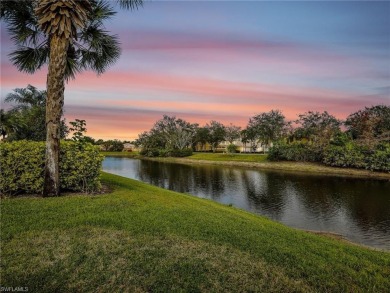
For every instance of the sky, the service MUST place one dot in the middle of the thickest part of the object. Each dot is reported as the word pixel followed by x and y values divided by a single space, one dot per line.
pixel 228 61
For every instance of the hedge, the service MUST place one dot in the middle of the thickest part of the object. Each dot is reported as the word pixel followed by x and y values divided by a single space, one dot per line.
pixel 156 152
pixel 354 156
pixel 22 167
pixel 350 155
pixel 297 151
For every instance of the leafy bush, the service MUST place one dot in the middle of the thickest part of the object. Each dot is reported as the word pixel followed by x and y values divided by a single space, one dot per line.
pixel 150 152
pixel 379 160
pixel 231 148
pixel 355 156
pixel 297 151
pixel 154 152
pixel 349 155
pixel 80 166
pixel 22 167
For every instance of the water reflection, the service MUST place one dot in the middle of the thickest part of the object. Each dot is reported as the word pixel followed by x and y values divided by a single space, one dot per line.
pixel 356 208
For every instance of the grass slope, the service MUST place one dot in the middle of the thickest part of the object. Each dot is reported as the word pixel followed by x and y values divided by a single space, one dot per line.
pixel 142 238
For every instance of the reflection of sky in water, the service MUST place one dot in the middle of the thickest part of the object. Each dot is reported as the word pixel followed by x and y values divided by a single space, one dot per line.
pixel 356 208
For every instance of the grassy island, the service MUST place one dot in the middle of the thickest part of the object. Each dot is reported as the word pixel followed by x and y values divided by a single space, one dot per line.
pixel 139 238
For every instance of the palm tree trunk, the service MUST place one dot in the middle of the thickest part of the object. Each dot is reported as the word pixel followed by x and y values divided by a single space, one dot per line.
pixel 54 105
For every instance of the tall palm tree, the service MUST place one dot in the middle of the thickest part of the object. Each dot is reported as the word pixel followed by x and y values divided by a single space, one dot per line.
pixel 69 34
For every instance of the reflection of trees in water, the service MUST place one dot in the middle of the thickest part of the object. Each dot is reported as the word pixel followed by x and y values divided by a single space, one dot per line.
pixel 368 204
pixel 152 173
pixel 317 195
pixel 263 193
pixel 365 202
pixel 210 180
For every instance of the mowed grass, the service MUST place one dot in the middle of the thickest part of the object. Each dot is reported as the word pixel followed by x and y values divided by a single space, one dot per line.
pixel 229 157
pixel 141 238
pixel 121 154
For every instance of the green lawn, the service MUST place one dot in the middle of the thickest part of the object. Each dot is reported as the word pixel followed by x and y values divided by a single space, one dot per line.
pixel 229 157
pixel 142 238
pixel 122 154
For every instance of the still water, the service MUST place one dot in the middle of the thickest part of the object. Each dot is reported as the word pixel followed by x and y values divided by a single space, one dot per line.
pixel 358 209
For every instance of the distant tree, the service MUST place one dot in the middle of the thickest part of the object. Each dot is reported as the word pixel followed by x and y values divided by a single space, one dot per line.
pixel 26 118
pixel 112 145
pixel 217 133
pixel 232 133
pixel 268 127
pixel 370 125
pixel 99 141
pixel 150 140
pixel 115 146
pixel 249 135
pixel 176 133
pixel 89 139
pixel 317 127
pixel 201 136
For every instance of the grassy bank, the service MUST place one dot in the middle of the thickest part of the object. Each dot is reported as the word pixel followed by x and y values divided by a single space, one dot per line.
pixel 143 238
pixel 260 161
pixel 122 154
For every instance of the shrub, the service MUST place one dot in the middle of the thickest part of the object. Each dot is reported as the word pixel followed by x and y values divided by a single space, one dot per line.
pixel 231 148
pixel 379 161
pixel 349 155
pixel 22 167
pixel 80 166
pixel 297 151
pixel 153 152
pixel 353 155
pixel 150 152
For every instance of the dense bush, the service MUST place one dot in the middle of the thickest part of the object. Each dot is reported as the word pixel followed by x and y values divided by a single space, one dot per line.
pixel 338 153
pixel 297 151
pixel 349 155
pixel 22 167
pixel 379 160
pixel 154 152
pixel 353 155
pixel 231 148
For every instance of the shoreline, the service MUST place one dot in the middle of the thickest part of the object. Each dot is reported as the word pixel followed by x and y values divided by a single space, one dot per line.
pixel 301 167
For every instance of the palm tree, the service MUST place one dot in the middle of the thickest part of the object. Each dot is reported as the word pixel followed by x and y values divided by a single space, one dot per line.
pixel 27 97
pixel 26 119
pixel 69 35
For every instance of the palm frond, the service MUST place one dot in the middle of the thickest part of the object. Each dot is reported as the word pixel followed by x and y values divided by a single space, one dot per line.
pixel 27 97
pixel 29 59
pixel 21 22
pixel 73 65
pixel 130 4
pixel 100 49
pixel 101 10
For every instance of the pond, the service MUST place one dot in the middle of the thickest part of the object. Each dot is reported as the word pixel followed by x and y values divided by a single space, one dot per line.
pixel 358 209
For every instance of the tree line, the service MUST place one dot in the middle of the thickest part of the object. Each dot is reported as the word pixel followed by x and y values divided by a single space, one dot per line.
pixel 369 127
